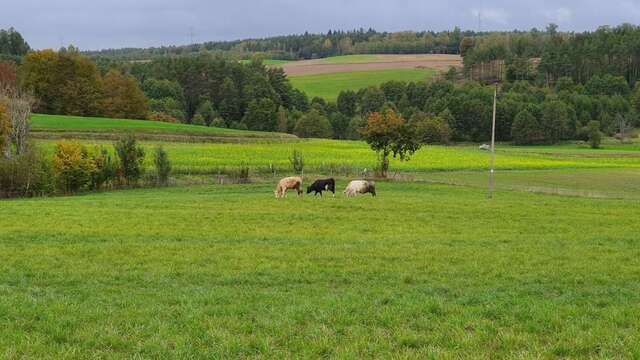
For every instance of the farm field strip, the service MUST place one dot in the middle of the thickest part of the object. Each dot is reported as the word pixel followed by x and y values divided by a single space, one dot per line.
pixel 351 63
pixel 420 271
pixel 323 155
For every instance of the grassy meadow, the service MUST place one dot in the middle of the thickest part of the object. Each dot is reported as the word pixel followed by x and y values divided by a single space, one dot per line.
pixel 77 124
pixel 430 268
pixel 421 271
pixel 328 86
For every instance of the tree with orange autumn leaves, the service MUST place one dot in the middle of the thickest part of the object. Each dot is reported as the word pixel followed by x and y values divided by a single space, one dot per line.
pixel 66 82
pixel 387 133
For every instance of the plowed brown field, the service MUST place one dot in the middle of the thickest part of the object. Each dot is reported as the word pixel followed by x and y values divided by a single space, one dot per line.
pixel 377 62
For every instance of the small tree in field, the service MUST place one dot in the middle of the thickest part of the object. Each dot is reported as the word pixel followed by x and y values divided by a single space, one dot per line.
pixel 163 165
pixel 595 136
pixel 131 157
pixel 297 161
pixel 72 166
pixel 389 134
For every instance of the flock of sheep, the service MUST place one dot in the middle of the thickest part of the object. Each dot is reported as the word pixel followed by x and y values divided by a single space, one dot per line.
pixel 295 183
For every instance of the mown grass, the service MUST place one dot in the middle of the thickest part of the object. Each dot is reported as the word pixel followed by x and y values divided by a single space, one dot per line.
pixel 64 123
pixel 421 271
pixel 328 86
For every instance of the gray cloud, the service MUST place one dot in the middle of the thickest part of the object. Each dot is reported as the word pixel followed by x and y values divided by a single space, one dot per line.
pixel 125 23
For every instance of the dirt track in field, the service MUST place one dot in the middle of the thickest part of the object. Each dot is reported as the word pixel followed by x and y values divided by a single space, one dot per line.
pixel 379 62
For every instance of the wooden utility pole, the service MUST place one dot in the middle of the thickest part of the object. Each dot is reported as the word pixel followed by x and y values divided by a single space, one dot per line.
pixel 493 145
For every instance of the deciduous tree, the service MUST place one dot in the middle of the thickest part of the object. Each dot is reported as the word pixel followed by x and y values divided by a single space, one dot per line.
pixel 313 125
pixel 388 134
pixel 122 97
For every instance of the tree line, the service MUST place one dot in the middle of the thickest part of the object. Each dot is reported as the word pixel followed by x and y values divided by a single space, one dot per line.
pixel 308 46
pixel 546 56
pixel 214 90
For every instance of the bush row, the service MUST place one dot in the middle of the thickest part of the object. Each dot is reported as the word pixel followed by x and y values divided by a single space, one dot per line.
pixel 76 168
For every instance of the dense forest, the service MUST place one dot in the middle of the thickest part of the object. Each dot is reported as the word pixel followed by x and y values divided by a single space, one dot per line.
pixel 558 86
pixel 546 56
pixel 309 46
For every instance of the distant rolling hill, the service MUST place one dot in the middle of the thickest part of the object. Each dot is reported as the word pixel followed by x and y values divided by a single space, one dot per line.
pixel 62 126
pixel 327 77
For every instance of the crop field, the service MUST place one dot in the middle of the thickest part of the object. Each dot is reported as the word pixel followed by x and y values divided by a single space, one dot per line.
pixel 353 157
pixel 328 86
pixel 421 271
pixel 351 63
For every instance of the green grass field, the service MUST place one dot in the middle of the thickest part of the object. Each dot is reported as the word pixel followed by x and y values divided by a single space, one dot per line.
pixel 77 124
pixel 328 86
pixel 421 271
pixel 430 268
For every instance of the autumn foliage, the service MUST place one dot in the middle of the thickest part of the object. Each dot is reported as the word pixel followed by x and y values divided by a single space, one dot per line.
pixel 122 97
pixel 8 75
pixel 389 134
pixel 66 82
pixel 5 126
pixel 73 166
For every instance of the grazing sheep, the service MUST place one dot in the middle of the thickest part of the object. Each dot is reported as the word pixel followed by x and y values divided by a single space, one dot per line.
pixel 360 187
pixel 287 183
pixel 322 185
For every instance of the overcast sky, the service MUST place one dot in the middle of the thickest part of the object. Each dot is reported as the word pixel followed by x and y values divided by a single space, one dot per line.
pixel 92 24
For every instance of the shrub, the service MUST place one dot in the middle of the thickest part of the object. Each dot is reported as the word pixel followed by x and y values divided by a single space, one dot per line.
pixel 356 124
pixel 162 117
pixel 243 174
pixel 238 125
pixel 72 166
pixel 105 168
pixel 313 125
pixel 261 115
pixel 431 129
pixel 205 112
pixel 595 136
pixel 163 166
pixel 526 129
pixel 131 157
pixel 297 161
pixel 198 119
pixel 26 174
pixel 218 122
